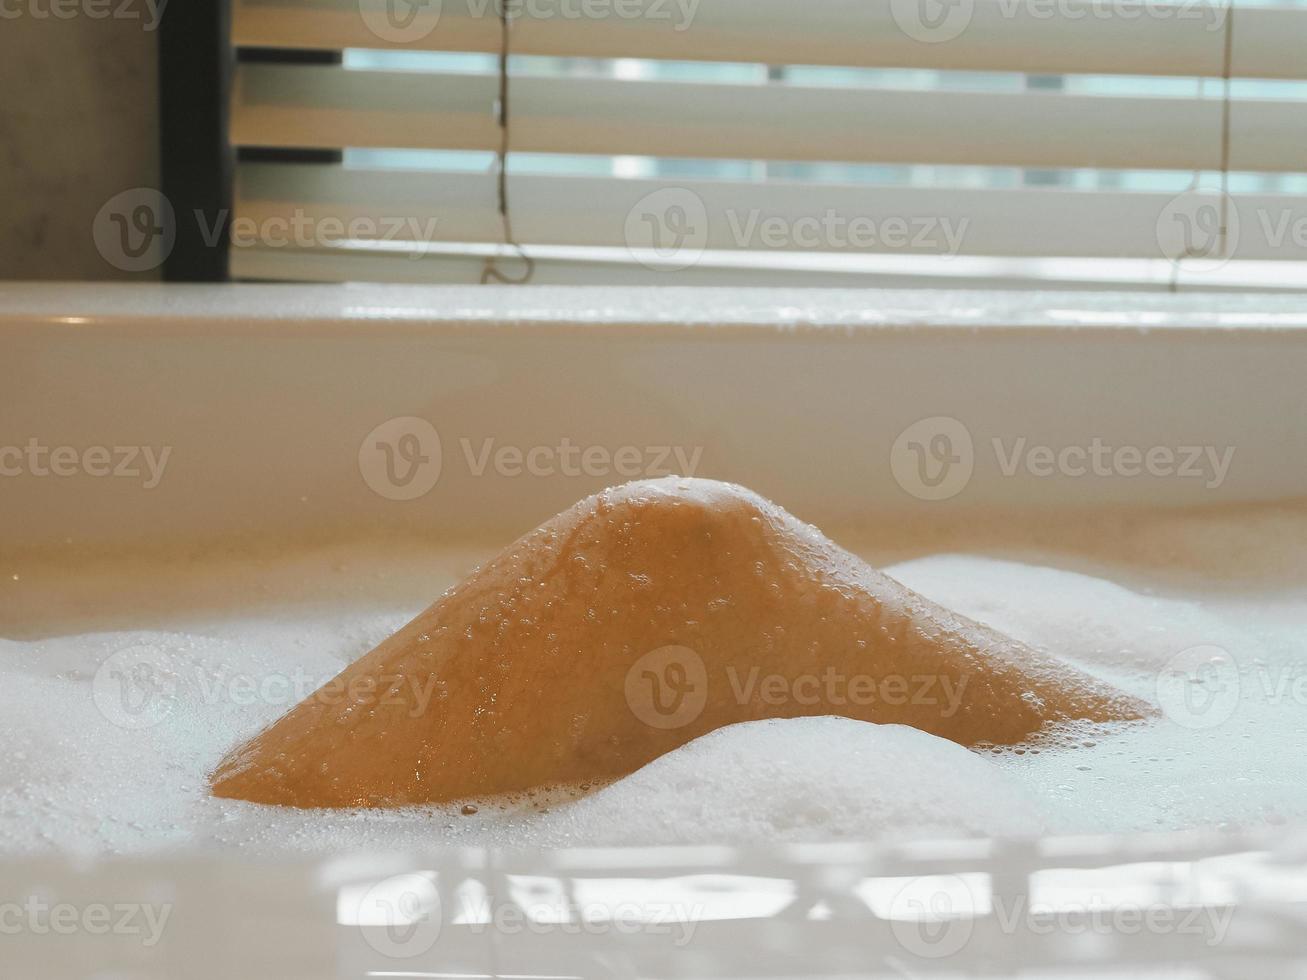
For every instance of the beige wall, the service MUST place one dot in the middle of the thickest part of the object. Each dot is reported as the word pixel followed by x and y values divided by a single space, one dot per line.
pixel 78 124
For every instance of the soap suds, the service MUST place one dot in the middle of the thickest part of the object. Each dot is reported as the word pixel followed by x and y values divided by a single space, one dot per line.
pixel 107 731
pixel 801 780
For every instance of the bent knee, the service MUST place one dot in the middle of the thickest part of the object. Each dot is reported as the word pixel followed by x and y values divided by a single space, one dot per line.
pixel 681 501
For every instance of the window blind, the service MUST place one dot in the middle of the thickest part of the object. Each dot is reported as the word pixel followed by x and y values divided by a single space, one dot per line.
pixel 752 141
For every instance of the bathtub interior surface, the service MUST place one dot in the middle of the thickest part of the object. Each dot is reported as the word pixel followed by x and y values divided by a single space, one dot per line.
pixel 1083 908
pixel 262 397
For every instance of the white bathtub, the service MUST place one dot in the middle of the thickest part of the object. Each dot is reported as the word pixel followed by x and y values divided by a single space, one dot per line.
pixel 263 396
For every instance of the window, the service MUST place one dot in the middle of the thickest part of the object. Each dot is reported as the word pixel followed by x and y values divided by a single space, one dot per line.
pixel 978 142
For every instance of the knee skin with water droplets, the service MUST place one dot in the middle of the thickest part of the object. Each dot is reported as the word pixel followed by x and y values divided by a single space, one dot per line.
pixel 630 624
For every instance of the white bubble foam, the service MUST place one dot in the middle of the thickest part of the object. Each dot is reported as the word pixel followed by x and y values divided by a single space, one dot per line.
pixel 1225 751
pixel 83 770
pixel 1101 626
pixel 802 779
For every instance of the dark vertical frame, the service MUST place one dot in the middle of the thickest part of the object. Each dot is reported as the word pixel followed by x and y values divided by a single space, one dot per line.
pixel 197 63
pixel 195 71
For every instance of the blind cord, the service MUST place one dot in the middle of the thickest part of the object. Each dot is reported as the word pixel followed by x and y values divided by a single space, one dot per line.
pixel 491 268
pixel 1223 226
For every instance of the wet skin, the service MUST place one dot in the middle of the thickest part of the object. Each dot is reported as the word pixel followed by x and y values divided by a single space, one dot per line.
pixel 550 663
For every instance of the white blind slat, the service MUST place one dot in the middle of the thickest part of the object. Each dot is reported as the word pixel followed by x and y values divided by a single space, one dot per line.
pixel 329 106
pixel 689 217
pixel 1071 36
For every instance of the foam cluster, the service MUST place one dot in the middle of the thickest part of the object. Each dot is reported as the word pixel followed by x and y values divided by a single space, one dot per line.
pixel 82 770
